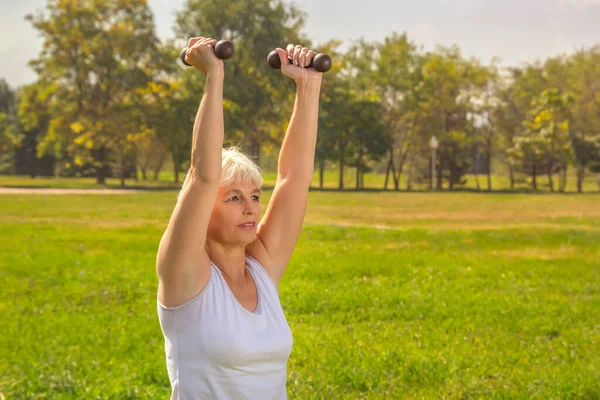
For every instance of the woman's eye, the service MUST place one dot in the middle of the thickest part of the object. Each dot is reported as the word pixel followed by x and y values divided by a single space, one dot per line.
pixel 233 198
pixel 256 197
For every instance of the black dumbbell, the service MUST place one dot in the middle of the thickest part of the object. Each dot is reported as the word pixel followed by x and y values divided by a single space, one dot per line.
pixel 223 49
pixel 321 62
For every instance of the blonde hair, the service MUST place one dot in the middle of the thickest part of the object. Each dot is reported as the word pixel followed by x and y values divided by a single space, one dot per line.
pixel 236 167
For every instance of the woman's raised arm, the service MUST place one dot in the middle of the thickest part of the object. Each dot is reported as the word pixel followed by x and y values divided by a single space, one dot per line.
pixel 182 264
pixel 280 227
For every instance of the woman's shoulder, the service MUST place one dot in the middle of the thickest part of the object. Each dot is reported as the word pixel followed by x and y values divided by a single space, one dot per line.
pixel 197 297
pixel 255 263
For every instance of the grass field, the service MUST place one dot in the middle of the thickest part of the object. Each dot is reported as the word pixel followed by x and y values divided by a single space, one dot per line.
pixel 372 181
pixel 388 295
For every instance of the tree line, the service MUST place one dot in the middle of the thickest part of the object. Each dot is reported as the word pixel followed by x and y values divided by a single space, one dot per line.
pixel 110 100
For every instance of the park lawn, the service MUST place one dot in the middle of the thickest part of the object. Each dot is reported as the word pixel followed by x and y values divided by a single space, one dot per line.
pixel 372 181
pixel 388 295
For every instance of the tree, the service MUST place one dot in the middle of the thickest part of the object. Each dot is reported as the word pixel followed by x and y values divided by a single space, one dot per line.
pixel 398 80
pixel 549 122
pixel 34 117
pixel 10 137
pixel 257 99
pixel 584 80
pixel 595 159
pixel 448 84
pixel 484 102
pixel 335 126
pixel 328 124
pixel 171 107
pixel 369 139
pixel 95 55
pixel 515 93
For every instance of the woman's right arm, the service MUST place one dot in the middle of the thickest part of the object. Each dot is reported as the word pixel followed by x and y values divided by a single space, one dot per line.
pixel 182 264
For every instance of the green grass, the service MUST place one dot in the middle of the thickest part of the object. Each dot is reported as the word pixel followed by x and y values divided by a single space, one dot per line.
pixel 330 181
pixel 456 295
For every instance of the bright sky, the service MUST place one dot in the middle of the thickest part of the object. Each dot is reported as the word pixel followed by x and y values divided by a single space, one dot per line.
pixel 514 30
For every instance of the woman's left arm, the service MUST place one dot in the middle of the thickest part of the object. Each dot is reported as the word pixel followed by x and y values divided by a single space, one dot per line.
pixel 280 227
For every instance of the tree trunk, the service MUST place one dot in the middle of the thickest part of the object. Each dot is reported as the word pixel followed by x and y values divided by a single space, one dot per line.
pixel 341 183
pixel 398 174
pixel 391 168
pixel 561 179
pixel 396 180
pixel 511 176
pixel 534 175
pixel 439 176
pixel 359 161
pixel 159 165
pixel 176 169
pixel 489 167
pixel 362 180
pixel 390 141
pixel 580 177
pixel 101 170
pixel 409 174
pixel 549 172
pixel 387 175
pixel 122 170
pixel 321 172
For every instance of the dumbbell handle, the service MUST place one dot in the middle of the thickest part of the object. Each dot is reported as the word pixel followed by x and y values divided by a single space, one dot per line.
pixel 223 50
pixel 321 62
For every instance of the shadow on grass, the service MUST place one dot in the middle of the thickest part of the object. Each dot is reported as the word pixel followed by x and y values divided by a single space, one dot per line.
pixel 446 191
pixel 174 187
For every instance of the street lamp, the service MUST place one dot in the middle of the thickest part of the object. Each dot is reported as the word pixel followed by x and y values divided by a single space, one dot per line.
pixel 433 143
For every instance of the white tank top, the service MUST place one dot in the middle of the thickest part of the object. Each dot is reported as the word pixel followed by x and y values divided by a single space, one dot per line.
pixel 216 349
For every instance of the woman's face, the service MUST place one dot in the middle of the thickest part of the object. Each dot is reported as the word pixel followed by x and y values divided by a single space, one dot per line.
pixel 236 205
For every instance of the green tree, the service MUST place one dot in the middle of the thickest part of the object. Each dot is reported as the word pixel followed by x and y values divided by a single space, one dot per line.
pixel 10 137
pixel 584 80
pixel 369 139
pixel 448 83
pixel 515 93
pixel 398 79
pixel 95 55
pixel 331 92
pixel 594 163
pixel 484 102
pixel 335 127
pixel 550 120
pixel 34 117
pixel 256 99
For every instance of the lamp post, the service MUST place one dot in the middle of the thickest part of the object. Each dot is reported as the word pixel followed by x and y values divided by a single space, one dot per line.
pixel 433 143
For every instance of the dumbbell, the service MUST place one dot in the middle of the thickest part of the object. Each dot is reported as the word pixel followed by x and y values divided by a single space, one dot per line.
pixel 223 49
pixel 321 62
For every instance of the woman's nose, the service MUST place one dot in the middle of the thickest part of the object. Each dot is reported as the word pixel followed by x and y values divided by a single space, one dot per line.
pixel 248 208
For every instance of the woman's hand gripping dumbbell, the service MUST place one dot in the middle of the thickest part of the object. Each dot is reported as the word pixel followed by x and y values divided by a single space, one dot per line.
pixel 196 51
pixel 302 57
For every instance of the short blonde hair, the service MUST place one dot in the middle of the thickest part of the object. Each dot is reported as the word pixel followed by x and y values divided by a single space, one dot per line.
pixel 236 167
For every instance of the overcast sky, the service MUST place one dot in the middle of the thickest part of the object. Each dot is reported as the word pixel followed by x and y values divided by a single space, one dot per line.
pixel 514 30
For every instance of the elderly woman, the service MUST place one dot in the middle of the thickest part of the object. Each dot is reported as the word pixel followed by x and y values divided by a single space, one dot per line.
pixel 219 267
